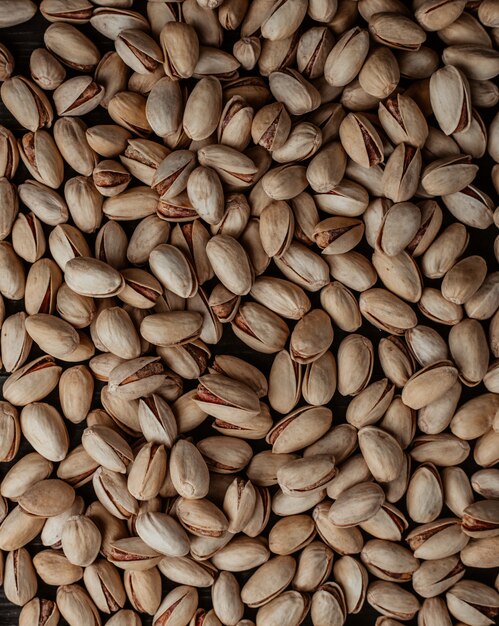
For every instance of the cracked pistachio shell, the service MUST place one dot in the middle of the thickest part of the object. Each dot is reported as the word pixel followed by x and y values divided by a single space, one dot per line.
pixel 226 598
pixel 147 472
pixel 281 296
pixel 32 382
pixel 429 384
pixel 370 404
pixel 436 576
pixel 307 475
pixel 138 50
pixel 471 206
pixel 91 277
pixel 39 611
pixel 475 417
pixel 388 523
pixel 53 335
pixel 400 225
pixel 352 269
pixel 291 533
pixel 276 227
pixel 171 328
pixel 356 504
pixel 425 480
pixel 340 303
pixel 143 589
pixel 402 171
pixel 74 11
pixel 342 540
pixel 226 399
pixel 381 452
pixel 289 435
pixel 337 235
pixel 388 560
pixel 403 121
pixel 480 519
pixel 450 99
pixel 174 270
pixel 260 328
pixel 290 605
pixel 157 420
pixel 448 175
pixel 289 87
pixel 396 360
pixel 347 57
pixel 396 31
pixel 188 470
pixel 26 472
pixel 303 141
pixel 111 490
pixel 451 449
pixel 141 290
pixel 44 428
pixel 271 126
pixel 201 517
pixel 463 280
pixel 386 311
pixel 47 498
pixel 235 169
pixel 230 263
pixel 269 580
pixel 313 49
pixel 360 140
pixel 76 606
pixel 107 447
pixel 27 103
pixel 426 345
pixel 319 380
pixel 392 600
pixel 380 73
pixel 468 348
pixel 42 158
pixel 311 337
pixel 314 566
pixel 355 364
pixel 131 553
pixel 20 583
pixel 473 602
pixel 303 267
pixel 353 471
pixel 284 382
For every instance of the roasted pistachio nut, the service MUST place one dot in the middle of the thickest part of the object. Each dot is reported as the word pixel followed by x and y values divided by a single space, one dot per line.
pixel 251 193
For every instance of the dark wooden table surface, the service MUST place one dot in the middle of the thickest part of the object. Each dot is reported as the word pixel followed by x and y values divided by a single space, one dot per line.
pixel 22 40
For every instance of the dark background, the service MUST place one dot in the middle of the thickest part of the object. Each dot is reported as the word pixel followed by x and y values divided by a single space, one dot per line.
pixel 21 41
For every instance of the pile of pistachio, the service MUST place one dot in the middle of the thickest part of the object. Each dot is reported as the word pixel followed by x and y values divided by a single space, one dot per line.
pixel 304 179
